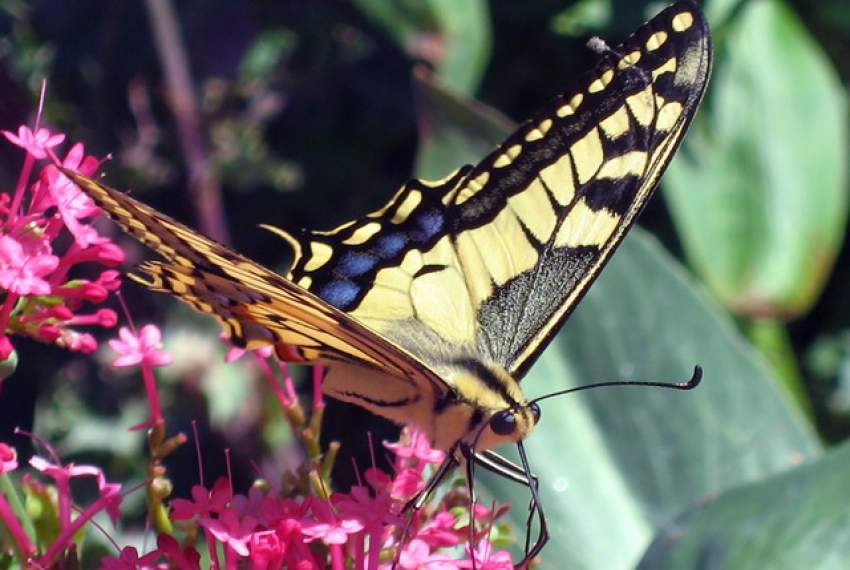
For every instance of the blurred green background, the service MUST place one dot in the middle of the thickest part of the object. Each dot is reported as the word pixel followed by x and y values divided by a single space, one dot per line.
pixel 307 114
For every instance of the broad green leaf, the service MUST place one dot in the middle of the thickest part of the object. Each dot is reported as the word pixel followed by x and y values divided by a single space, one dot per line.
pixel 795 520
pixel 454 36
pixel 759 194
pixel 616 464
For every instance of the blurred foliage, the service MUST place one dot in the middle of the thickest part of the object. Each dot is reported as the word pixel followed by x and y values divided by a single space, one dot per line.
pixel 786 521
pixel 761 207
pixel 306 105
pixel 452 36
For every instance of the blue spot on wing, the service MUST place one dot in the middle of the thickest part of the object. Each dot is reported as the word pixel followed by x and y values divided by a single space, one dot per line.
pixel 428 224
pixel 339 293
pixel 390 245
pixel 354 264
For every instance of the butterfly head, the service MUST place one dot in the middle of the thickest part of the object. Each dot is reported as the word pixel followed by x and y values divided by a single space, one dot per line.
pixel 501 413
pixel 506 423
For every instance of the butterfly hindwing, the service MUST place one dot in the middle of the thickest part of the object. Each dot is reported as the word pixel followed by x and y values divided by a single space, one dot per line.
pixel 255 305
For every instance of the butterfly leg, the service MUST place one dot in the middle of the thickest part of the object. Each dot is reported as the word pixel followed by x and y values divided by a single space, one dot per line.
pixel 417 502
pixel 468 453
pixel 503 467
pixel 449 463
pixel 537 507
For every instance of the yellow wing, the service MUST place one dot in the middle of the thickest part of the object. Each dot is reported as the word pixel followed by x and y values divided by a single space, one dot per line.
pixel 489 262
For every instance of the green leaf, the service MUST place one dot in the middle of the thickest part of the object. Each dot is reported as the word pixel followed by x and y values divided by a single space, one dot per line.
pixel 617 464
pixel 794 520
pixel 759 194
pixel 454 36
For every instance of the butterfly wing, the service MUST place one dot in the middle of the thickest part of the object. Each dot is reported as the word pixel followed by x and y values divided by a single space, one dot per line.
pixel 489 262
pixel 561 193
pixel 255 305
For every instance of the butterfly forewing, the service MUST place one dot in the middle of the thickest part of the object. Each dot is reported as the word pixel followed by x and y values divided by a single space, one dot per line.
pixel 491 260
pixel 563 190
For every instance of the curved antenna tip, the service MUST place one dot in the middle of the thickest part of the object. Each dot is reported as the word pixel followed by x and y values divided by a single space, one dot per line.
pixel 696 378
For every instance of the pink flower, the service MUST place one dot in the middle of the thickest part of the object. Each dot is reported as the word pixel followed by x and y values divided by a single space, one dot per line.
pixel 36 144
pixel 231 531
pixel 486 559
pixel 266 547
pixel 80 342
pixel 110 279
pixel 6 347
pixel 8 458
pixel 327 526
pixel 440 530
pixel 379 480
pixel 416 555
pixel 22 272
pixel 72 203
pixel 129 559
pixel 252 504
pixel 235 353
pixel 273 510
pixel 144 348
pixel 185 559
pixel 373 511
pixel 203 502
pixel 110 496
pixel 417 447
pixel 407 483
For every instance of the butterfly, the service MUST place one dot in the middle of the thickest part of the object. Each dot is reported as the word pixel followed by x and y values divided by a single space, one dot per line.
pixel 429 310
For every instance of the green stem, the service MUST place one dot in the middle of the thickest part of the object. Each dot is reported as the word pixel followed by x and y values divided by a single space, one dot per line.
pixel 770 337
pixel 8 489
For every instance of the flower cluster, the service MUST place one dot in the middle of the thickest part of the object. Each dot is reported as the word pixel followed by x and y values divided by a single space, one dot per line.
pixel 46 230
pixel 64 518
pixel 268 529
pixel 298 523
pixel 366 527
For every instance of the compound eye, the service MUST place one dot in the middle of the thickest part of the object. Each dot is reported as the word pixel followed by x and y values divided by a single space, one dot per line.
pixel 503 423
pixel 535 411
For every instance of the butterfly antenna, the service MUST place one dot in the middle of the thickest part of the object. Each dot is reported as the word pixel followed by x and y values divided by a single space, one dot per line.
pixel 690 384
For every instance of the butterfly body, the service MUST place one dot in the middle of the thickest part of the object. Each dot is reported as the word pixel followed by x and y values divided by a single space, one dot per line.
pixel 431 309
pixel 448 417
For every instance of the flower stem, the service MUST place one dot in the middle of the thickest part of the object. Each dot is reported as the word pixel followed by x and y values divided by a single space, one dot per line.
pixel 29 161
pixel 153 395
pixel 337 557
pixel 23 544
pixel 66 535
pixel 6 310
pixel 7 488
pixel 214 562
